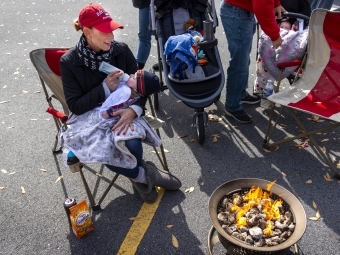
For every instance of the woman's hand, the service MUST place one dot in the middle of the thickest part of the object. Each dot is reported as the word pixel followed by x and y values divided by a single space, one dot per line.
pixel 125 121
pixel 277 43
pixel 112 80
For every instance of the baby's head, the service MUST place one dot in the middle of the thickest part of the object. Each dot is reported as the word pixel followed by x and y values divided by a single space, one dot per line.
pixel 285 24
pixel 144 83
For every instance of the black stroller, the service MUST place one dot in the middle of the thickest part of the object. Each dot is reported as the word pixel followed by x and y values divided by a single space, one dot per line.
pixel 168 18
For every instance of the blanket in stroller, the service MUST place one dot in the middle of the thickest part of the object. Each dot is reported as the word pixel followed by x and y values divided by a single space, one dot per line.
pixel 294 45
pixel 92 140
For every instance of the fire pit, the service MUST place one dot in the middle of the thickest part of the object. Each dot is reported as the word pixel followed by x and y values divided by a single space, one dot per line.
pixel 234 245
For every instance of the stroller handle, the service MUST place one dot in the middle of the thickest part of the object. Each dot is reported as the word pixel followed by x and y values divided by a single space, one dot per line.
pixel 295 15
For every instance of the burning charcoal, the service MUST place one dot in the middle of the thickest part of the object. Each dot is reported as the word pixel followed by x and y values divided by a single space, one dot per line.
pixel 279 225
pixel 256 232
pixel 276 239
pixel 230 229
pixel 225 202
pixel 284 235
pixel 262 224
pixel 254 210
pixel 260 243
pixel 269 242
pixel 243 236
pixel 282 218
pixel 291 227
pixel 237 235
pixel 276 233
pixel 238 200
pixel 235 195
pixel 287 222
pixel 253 220
pixel 244 229
pixel 288 216
pixel 249 240
pixel 223 217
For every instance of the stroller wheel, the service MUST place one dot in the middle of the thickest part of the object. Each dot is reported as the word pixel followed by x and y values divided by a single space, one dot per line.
pixel 199 126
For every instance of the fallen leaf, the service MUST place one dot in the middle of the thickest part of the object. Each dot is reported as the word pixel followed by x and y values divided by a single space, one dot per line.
pixel 12 173
pixel 271 149
pixel 175 241
pixel 314 205
pixel 193 140
pixel 23 191
pixel 2 188
pixel 182 136
pixel 178 101
pixel 189 190
pixel 327 177
pixel 318 215
pixel 59 178
pixel 4 171
pixel 133 218
pixel 309 181
pixel 324 140
pixel 169 226
pixel 10 127
pixel 297 175
pixel 43 170
pixel 214 140
pixel 314 218
pixel 2 102
pixel 213 118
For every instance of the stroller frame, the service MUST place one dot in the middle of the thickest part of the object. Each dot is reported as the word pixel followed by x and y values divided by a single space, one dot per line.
pixel 198 102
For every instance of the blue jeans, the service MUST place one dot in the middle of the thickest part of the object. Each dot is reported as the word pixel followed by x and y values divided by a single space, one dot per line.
pixel 324 4
pixel 136 149
pixel 144 35
pixel 239 27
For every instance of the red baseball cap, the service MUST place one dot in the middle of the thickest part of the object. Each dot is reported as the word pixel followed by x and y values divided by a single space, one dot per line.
pixel 94 15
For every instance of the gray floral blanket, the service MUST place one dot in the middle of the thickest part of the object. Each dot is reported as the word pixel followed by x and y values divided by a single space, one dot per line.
pixel 92 140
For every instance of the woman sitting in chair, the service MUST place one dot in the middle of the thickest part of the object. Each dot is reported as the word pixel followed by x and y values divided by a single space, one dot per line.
pixel 116 142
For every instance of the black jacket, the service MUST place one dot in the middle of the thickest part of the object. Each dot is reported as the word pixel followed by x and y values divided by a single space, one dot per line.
pixel 141 3
pixel 83 87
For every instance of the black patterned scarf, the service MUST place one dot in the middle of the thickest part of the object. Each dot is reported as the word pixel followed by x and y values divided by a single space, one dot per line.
pixel 91 58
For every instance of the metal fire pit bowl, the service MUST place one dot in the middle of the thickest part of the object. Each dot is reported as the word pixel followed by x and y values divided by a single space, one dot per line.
pixel 239 185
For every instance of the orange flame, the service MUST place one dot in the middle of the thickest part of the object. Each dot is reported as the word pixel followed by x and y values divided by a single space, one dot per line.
pixel 256 196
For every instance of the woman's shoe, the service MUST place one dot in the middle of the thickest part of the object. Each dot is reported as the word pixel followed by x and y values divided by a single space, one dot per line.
pixel 159 178
pixel 149 197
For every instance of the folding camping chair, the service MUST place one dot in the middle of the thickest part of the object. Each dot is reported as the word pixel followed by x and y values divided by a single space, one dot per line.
pixel 46 62
pixel 318 90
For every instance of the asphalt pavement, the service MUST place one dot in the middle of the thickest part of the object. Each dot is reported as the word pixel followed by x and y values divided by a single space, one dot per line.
pixel 35 222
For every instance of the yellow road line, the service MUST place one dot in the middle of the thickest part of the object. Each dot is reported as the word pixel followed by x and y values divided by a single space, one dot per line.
pixel 140 226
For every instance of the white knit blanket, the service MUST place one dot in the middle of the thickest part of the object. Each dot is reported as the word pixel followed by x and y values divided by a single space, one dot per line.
pixel 92 140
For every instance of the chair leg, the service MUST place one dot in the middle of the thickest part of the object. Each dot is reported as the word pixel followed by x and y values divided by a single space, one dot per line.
pixel 95 207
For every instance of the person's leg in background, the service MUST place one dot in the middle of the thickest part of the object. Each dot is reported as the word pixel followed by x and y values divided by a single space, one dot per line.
pixel 323 4
pixel 239 26
pixel 144 36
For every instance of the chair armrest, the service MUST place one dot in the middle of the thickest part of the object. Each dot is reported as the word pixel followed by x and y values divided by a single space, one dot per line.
pixel 283 65
pixel 60 115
